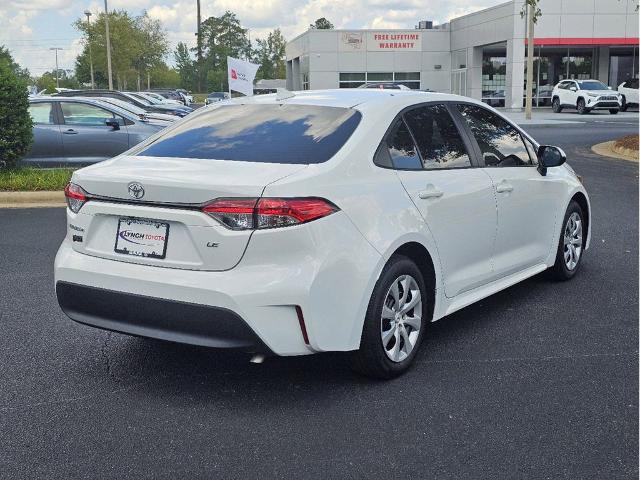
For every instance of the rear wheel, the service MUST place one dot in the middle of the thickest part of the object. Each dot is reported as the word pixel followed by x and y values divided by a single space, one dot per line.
pixel 395 321
pixel 582 107
pixel 613 111
pixel 555 105
pixel 624 104
pixel 571 243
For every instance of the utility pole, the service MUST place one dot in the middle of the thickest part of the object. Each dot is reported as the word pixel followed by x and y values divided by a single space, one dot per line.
pixel 199 60
pixel 106 27
pixel 529 95
pixel 57 79
pixel 88 14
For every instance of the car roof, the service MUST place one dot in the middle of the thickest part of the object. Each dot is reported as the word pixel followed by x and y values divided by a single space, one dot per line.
pixel 351 97
pixel 91 100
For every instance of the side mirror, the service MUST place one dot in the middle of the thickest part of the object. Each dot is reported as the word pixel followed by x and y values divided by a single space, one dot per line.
pixel 573 89
pixel 610 88
pixel 550 156
pixel 113 123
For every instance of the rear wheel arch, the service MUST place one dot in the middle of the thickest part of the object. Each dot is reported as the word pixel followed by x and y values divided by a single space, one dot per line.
pixel 418 254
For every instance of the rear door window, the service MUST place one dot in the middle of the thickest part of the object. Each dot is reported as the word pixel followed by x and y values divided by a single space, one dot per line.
pixel 296 134
pixel 437 137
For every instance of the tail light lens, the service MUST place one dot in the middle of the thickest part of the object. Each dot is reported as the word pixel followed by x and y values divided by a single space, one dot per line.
pixel 261 213
pixel 76 197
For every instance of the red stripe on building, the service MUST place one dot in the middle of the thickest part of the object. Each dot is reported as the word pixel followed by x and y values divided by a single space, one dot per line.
pixel 585 41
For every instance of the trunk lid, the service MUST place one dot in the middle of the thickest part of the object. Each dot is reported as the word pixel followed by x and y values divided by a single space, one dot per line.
pixel 182 236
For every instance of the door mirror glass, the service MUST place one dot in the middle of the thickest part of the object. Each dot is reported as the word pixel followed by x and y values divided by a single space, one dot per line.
pixel 113 123
pixel 550 156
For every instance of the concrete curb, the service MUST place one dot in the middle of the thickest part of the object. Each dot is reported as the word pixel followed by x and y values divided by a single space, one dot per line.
pixel 32 199
pixel 608 149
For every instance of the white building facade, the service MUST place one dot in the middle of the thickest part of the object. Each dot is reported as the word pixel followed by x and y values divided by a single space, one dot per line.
pixel 481 55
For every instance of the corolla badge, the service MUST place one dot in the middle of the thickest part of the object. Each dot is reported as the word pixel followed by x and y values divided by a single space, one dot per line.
pixel 136 190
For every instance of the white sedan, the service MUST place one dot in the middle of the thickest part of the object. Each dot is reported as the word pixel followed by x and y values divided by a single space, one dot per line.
pixel 339 220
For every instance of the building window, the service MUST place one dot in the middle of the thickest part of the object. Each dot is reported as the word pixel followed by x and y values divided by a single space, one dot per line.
pixel 494 78
pixel 355 79
pixel 305 81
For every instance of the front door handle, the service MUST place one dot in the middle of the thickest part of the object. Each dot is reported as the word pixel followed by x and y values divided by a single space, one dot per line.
pixel 504 187
pixel 70 131
pixel 430 192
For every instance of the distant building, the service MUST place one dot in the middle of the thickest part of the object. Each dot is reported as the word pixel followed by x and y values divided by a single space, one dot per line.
pixel 481 55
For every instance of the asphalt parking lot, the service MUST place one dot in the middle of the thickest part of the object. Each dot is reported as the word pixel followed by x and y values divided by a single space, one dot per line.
pixel 539 381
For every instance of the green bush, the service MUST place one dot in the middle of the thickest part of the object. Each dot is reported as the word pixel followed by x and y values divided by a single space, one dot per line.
pixel 16 127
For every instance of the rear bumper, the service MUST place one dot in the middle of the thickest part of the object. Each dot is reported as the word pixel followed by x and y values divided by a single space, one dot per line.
pixel 157 318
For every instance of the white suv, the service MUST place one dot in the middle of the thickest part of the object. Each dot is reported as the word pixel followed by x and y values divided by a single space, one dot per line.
pixel 324 221
pixel 584 96
pixel 629 92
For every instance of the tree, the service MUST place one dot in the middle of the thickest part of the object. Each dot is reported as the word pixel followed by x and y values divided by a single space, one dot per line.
pixel 322 24
pixel 6 57
pixel 47 81
pixel 16 126
pixel 270 55
pixel 186 67
pixel 138 44
pixel 531 10
pixel 222 37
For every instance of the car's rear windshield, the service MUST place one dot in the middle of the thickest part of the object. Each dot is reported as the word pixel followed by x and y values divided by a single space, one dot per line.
pixel 300 134
pixel 592 85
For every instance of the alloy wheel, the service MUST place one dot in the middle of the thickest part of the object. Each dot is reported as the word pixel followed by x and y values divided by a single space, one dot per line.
pixel 401 318
pixel 572 241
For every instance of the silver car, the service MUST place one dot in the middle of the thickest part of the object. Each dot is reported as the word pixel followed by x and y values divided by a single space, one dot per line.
pixel 83 130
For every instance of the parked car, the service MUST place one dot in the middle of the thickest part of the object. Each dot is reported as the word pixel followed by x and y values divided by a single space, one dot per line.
pixel 496 98
pixel 215 97
pixel 170 94
pixel 156 98
pixel 162 119
pixel 629 92
pixel 177 110
pixel 585 96
pixel 385 86
pixel 187 96
pixel 338 220
pixel 83 130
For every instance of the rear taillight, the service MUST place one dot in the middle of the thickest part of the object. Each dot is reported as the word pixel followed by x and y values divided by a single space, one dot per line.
pixel 76 196
pixel 259 213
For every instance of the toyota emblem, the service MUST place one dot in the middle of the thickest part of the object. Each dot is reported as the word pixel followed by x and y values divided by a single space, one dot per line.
pixel 136 190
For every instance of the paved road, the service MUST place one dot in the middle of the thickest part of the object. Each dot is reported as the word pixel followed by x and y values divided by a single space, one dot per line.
pixel 539 381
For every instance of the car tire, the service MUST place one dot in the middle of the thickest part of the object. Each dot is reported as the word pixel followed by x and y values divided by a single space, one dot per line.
pixel 624 105
pixel 582 107
pixel 573 237
pixel 613 111
pixel 555 105
pixel 386 348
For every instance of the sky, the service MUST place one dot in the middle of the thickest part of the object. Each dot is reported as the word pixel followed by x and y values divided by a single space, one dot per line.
pixel 29 28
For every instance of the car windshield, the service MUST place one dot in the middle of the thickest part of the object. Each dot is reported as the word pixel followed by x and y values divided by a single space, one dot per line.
pixel 592 85
pixel 144 101
pixel 296 134
pixel 129 107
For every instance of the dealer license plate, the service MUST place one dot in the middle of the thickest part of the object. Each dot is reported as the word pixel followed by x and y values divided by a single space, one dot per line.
pixel 142 237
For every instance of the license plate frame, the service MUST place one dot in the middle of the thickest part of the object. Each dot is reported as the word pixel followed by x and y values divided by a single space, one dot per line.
pixel 156 249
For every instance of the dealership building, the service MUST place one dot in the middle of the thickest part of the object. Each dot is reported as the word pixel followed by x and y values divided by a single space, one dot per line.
pixel 481 55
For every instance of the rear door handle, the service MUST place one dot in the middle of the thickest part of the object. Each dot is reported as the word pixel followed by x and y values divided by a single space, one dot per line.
pixel 504 187
pixel 430 192
pixel 70 131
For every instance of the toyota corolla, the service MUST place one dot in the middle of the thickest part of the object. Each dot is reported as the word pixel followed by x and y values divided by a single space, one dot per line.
pixel 342 220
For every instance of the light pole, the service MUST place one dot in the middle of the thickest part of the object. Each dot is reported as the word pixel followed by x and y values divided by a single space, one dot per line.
pixel 57 79
pixel 88 14
pixel 106 27
pixel 199 60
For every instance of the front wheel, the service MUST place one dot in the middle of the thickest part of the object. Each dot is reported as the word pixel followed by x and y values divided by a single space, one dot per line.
pixel 613 111
pixel 395 321
pixel 582 107
pixel 624 104
pixel 571 244
pixel 555 105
